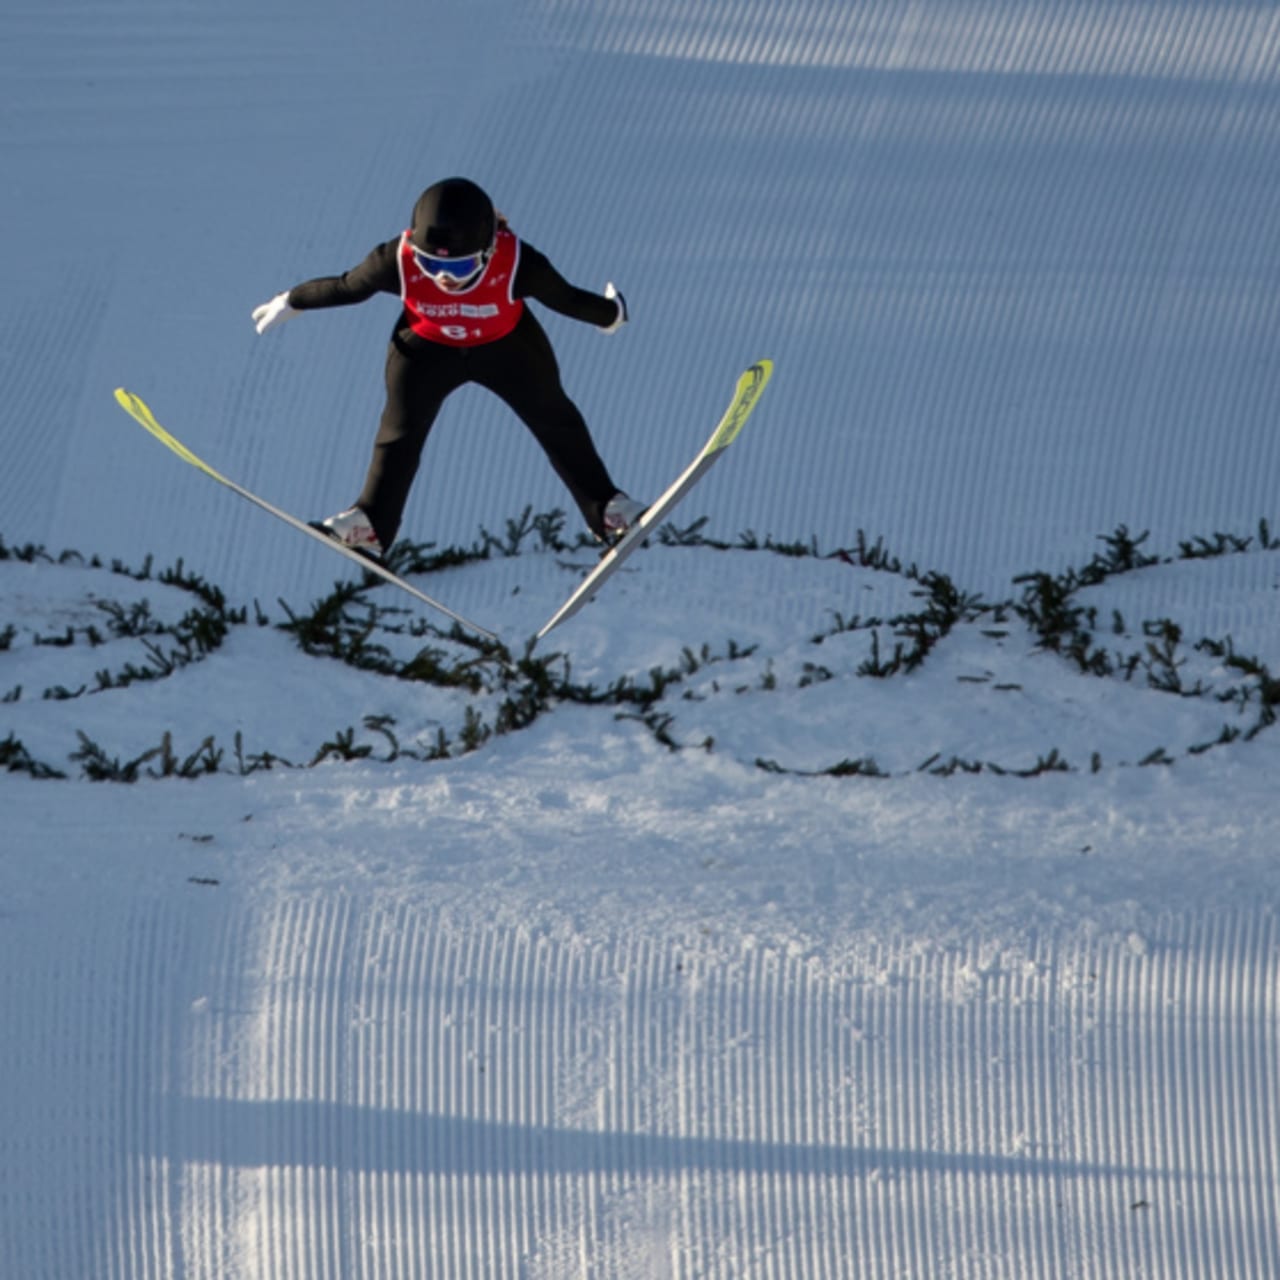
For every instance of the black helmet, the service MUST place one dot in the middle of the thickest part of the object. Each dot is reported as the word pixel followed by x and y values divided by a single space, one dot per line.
pixel 454 218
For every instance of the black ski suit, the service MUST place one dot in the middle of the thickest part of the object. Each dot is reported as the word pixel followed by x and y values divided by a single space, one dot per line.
pixel 520 368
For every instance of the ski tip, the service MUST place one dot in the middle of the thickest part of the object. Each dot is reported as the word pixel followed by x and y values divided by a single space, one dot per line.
pixel 131 403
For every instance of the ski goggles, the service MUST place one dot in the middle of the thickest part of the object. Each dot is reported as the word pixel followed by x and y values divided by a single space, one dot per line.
pixel 455 269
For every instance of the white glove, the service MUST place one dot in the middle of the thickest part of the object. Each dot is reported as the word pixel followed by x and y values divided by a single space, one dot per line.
pixel 272 313
pixel 611 292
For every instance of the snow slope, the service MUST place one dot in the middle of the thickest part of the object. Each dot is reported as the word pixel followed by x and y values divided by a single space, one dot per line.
pixel 835 897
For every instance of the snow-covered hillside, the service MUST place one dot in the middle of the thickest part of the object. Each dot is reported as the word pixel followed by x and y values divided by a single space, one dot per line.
pixel 878 880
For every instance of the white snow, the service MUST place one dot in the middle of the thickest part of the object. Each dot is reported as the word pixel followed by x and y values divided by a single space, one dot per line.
pixel 738 960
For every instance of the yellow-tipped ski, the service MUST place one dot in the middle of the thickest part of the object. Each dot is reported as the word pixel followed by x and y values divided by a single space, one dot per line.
pixel 752 382
pixel 138 410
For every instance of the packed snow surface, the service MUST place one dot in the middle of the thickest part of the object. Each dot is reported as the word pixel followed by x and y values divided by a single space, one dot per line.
pixel 879 879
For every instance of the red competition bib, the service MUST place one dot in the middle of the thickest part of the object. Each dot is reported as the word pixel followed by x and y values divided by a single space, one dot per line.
pixel 484 312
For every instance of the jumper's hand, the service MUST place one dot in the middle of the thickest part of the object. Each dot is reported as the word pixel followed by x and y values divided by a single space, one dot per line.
pixel 611 292
pixel 272 313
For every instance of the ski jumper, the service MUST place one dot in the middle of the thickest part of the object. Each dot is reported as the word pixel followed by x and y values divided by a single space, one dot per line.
pixel 484 334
